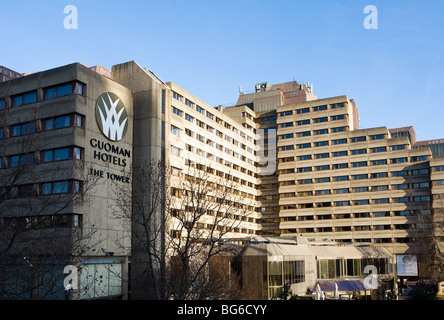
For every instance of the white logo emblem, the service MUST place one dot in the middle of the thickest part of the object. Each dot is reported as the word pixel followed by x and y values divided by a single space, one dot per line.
pixel 111 116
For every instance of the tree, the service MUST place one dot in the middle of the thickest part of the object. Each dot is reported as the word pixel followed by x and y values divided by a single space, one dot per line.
pixel 180 229
pixel 38 236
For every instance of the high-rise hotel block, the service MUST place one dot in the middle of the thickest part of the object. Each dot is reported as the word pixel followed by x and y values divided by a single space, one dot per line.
pixel 302 165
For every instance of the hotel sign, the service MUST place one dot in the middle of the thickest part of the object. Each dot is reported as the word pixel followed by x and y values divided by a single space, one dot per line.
pixel 112 120
pixel 406 265
pixel 111 116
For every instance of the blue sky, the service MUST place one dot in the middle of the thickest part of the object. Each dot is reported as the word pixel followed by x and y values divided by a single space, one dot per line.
pixel 395 73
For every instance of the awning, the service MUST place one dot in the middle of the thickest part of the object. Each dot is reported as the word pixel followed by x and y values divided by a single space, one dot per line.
pixel 343 285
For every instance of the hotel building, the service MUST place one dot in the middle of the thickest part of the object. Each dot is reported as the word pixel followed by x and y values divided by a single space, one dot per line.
pixel 302 165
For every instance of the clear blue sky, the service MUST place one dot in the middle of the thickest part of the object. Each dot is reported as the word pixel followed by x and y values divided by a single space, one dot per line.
pixel 210 48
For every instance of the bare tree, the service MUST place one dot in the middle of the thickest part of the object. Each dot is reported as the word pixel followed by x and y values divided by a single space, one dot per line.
pixel 431 225
pixel 180 226
pixel 39 235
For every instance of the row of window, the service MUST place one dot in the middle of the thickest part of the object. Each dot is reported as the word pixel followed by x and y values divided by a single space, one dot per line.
pixel 357 215
pixel 313 109
pixel 45 188
pixel 363 202
pixel 47 124
pixel 53 155
pixel 312 121
pixel 344 153
pixel 374 175
pixel 18 100
pixel 41 222
pixel 401 186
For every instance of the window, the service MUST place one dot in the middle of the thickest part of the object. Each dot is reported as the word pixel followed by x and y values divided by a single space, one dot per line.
pixel 358 151
pixel 378 162
pixel 342 203
pixel 303 134
pixel 322 180
pixel 419 158
pixel 360 202
pixel 377 149
pixel 25 98
pixel 377 175
pixel 286 136
pixel 381 201
pixel 402 213
pixel 302 122
pixel 177 112
pixel 339 141
pixel 200 110
pixel 321 131
pixel 337 105
pixel 322 168
pixel 175 130
pixel 340 166
pixel 177 97
pixel 321 144
pixel 320 108
pixel 340 191
pixel 401 199
pixel 210 115
pixel 285 113
pixel 359 176
pixel 421 185
pixel 2 104
pixel 301 111
pixel 379 188
pixel 398 160
pixel 304 157
pixel 320 120
pixel 286 125
pixel 398 147
pixel 189 118
pixel 175 151
pixel 285 148
pixel 306 169
pixel 339 154
pixel 305 181
pixel 421 198
pixel 340 178
pixel 381 214
pixel 63 90
pixel 60 187
pixel 338 117
pixel 62 154
pixel 23 129
pixel 25 159
pixel 377 137
pixel 321 155
pixel 304 145
pixel 359 164
pixel 63 122
pixel 358 139
pixel 360 189
pixel 420 171
pixel 438 168
pixel 401 186
pixel 339 129
pixel 399 173
pixel 321 192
